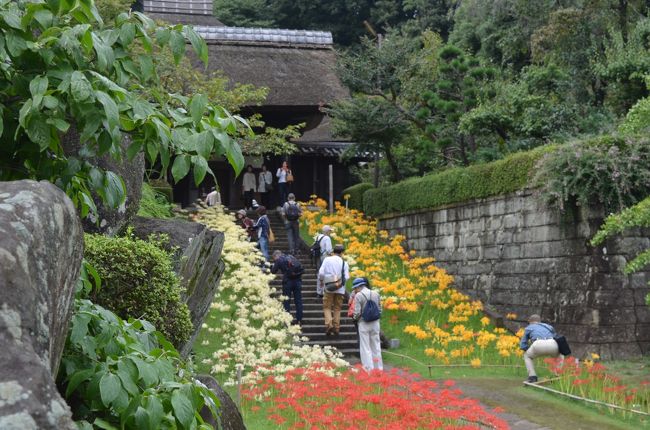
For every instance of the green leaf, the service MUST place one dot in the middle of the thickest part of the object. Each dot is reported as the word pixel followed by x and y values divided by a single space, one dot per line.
pixel 200 167
pixel 177 45
pixel 204 144
pixel 115 189
pixel 146 371
pixel 79 327
pixel 102 424
pixel 12 19
pixel 199 45
pixel 60 124
pixel 147 67
pixel 77 378
pixel 39 132
pixel 38 87
pixel 105 55
pixel 156 411
pixel 180 167
pixel 109 388
pixel 110 107
pixel 197 107
pixel 80 87
pixel 183 410
pixel 142 419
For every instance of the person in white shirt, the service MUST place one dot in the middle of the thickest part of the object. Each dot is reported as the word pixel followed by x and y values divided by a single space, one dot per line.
pixel 265 186
pixel 248 187
pixel 369 340
pixel 213 198
pixel 325 243
pixel 333 273
pixel 283 182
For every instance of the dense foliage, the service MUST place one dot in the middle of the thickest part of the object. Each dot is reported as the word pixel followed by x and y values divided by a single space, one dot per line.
pixel 154 204
pixel 454 185
pixel 117 374
pixel 610 171
pixel 138 281
pixel 355 193
pixel 67 78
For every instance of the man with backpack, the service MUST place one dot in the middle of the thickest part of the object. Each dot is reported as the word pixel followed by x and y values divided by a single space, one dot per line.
pixel 292 213
pixel 321 248
pixel 367 312
pixel 331 281
pixel 291 281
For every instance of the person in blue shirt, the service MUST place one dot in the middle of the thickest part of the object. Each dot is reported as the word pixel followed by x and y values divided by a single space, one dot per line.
pixel 263 227
pixel 537 341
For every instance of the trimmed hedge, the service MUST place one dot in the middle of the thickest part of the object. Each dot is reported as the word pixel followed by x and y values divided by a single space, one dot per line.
pixel 356 195
pixel 455 185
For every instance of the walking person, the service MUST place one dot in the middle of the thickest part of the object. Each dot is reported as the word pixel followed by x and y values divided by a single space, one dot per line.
pixel 263 227
pixel 292 213
pixel 213 198
pixel 367 315
pixel 284 176
pixel 249 187
pixel 292 272
pixel 246 223
pixel 332 276
pixel 265 186
pixel 538 341
pixel 325 242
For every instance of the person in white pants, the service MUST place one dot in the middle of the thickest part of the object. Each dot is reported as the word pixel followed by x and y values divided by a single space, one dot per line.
pixel 369 341
pixel 538 341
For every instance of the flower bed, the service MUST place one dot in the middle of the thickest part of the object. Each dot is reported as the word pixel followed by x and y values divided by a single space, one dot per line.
pixel 247 327
pixel 417 295
pixel 358 400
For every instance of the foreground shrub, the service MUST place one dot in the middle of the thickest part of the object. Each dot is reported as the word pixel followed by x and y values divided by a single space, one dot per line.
pixel 356 399
pixel 355 192
pixel 138 282
pixel 118 374
pixel 613 171
pixel 454 185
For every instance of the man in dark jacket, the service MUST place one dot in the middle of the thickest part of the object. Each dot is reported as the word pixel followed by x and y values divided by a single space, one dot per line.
pixel 291 281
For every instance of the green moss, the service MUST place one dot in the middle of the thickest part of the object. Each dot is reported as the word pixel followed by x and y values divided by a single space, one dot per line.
pixel 455 185
pixel 138 281
pixel 356 195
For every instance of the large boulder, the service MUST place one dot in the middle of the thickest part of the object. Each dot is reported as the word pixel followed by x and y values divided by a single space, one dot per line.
pixel 41 247
pixel 198 263
pixel 110 220
pixel 231 418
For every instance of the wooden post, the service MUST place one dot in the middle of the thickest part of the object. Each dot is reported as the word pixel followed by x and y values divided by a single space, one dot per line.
pixel 331 176
pixel 238 399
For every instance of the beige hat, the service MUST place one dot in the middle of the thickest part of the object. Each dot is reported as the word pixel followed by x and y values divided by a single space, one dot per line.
pixel 534 318
pixel 326 229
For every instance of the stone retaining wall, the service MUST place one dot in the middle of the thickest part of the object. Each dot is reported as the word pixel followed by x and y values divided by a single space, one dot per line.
pixel 517 255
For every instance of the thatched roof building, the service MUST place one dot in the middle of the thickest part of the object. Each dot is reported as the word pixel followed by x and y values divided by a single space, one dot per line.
pixel 299 69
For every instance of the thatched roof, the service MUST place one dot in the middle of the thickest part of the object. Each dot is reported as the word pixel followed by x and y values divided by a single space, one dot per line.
pixel 319 141
pixel 194 12
pixel 295 76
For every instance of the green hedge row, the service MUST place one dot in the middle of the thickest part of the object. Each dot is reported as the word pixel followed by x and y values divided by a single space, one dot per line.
pixel 455 185
pixel 356 195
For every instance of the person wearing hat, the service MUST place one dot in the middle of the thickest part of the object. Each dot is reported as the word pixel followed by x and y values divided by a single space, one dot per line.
pixel 369 340
pixel 537 341
pixel 246 223
pixel 331 281
pixel 325 242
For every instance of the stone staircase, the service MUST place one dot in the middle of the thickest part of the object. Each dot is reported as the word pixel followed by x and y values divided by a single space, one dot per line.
pixel 313 322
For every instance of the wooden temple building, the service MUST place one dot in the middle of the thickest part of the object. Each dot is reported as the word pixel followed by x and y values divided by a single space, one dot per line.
pixel 298 68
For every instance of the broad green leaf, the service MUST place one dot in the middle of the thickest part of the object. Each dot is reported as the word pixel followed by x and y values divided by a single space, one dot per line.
pixel 110 107
pixel 146 371
pixel 38 86
pixel 204 144
pixel 24 112
pixel 177 45
pixel 183 410
pixel 50 102
pixel 147 67
pixel 80 87
pixel 199 45
pixel 79 327
pixel 180 167
pixel 77 378
pixel 102 424
pixel 109 388
pixel 105 55
pixel 39 132
pixel 142 419
pixel 156 412
pixel 127 33
pixel 115 189
pixel 200 167
pixel 128 380
pixel 197 107
pixel 12 19
pixel 60 124
pixel 44 17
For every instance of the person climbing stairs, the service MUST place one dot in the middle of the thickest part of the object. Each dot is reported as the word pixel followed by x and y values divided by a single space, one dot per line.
pixel 313 321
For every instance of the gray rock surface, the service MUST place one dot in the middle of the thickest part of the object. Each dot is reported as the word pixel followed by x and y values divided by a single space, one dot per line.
pixel 198 263
pixel 111 220
pixel 231 418
pixel 41 247
pixel 518 255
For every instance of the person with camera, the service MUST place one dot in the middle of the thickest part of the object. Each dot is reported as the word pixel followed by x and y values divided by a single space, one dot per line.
pixel 331 279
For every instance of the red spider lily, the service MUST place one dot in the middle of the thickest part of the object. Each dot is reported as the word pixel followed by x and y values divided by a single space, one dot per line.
pixel 359 400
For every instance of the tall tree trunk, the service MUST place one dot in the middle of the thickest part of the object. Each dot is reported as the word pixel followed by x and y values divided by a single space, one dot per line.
pixel 622 18
pixel 390 158
pixel 463 151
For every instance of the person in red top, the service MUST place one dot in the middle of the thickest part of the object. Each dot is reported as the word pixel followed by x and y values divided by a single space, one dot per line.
pixel 246 223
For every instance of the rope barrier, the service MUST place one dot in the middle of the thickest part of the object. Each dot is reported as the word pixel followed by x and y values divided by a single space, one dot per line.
pixel 584 399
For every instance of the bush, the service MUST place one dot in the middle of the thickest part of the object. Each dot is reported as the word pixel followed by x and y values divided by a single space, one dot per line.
pixel 154 204
pixel 454 185
pixel 138 282
pixel 125 375
pixel 356 195
pixel 613 171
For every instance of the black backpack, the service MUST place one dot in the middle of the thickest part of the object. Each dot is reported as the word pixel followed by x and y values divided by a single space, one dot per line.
pixel 314 251
pixel 293 212
pixel 294 268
